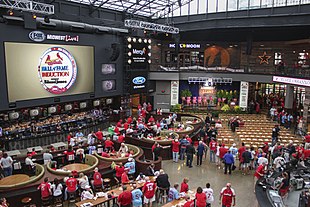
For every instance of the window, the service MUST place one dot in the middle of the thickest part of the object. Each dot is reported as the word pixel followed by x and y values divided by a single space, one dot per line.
pixel 303 59
pixel 278 58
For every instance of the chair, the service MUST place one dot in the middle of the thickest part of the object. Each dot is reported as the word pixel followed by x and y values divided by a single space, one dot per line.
pixel 107 184
pixel 98 188
pixel 162 195
pixel 72 197
pixel 58 201
pixel 26 201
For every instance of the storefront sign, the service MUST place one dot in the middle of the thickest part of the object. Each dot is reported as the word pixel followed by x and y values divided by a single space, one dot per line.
pixel 294 81
pixel 57 70
pixel 244 91
pixel 174 92
pixel 138 82
pixel 38 36
pixel 150 26
pixel 186 46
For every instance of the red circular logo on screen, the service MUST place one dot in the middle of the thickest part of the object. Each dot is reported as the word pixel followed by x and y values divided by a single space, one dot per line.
pixel 57 70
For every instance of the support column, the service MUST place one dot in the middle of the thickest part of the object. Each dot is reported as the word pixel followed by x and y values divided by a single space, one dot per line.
pixel 289 97
pixel 306 114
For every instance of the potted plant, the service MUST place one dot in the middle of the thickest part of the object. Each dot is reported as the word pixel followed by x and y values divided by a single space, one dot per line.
pixel 186 93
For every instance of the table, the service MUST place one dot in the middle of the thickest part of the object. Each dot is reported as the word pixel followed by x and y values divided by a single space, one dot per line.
pixel 182 200
pixel 13 153
pixel 76 166
pixel 14 179
pixel 59 145
pixel 36 148
pixel 115 192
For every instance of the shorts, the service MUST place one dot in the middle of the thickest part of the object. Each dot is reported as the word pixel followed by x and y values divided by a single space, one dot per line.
pixel 148 200
pixel 246 164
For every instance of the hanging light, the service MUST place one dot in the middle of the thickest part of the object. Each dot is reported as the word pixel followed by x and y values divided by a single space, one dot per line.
pixel 34 16
pixel 129 39
pixel 129 61
pixel 11 13
pixel 129 46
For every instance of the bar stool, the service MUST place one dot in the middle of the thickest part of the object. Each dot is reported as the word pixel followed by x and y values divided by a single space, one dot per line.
pixel 107 184
pixel 46 202
pixel 26 201
pixel 98 188
pixel 58 201
pixel 162 197
pixel 71 197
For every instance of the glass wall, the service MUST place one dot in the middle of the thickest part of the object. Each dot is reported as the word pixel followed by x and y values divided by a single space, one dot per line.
pixel 213 6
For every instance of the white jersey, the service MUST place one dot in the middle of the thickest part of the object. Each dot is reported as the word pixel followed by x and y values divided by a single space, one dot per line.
pixel 209 194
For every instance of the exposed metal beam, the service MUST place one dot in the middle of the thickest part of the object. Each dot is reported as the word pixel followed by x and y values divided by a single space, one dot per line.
pixel 29 6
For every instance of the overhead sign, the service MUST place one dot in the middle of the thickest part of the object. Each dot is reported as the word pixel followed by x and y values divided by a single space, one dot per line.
pixel 38 36
pixel 293 81
pixel 57 70
pixel 186 45
pixel 150 26
pixel 244 92
pixel 174 92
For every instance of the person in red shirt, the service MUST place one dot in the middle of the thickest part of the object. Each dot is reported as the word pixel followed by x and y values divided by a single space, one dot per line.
pixel 97 180
pixel 124 177
pixel 151 120
pixel 143 113
pixel 120 169
pixel 129 120
pixel 189 139
pixel 175 150
pixel 189 202
pixel 223 151
pixel 184 185
pixel 260 171
pixel 126 126
pixel 240 151
pixel 124 199
pixel 121 138
pixel 33 152
pixel 149 192
pixel 45 189
pixel 149 107
pixel 119 123
pixel 116 130
pixel 69 154
pixel 213 146
pixel 228 196
pixel 70 135
pixel 108 144
pixel 201 198
pixel 71 184
pixel 99 135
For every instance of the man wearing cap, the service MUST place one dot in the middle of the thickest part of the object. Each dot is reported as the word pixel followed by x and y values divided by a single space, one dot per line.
pixel 124 178
pixel 149 192
pixel 125 198
pixel 175 150
pixel 97 179
pixel 131 165
pixel 234 150
pixel 228 196
pixel 87 193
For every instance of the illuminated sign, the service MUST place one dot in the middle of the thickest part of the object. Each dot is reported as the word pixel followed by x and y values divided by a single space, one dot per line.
pixel 150 26
pixel 186 46
pixel 38 36
pixel 57 70
pixel 294 81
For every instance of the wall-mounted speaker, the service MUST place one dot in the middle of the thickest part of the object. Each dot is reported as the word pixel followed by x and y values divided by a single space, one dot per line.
pixel 116 49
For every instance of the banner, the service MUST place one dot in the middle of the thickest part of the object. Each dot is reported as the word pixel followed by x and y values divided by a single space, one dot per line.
pixel 150 26
pixel 293 81
pixel 244 91
pixel 174 92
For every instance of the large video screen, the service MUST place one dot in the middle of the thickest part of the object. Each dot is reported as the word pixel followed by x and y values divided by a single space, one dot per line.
pixel 46 70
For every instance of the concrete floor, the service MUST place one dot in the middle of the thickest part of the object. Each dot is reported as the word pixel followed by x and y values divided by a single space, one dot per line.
pixel 208 172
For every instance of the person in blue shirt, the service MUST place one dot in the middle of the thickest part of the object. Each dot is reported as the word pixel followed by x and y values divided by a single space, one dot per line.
pixel 136 196
pixel 234 150
pixel 79 134
pixel 200 151
pixel 173 193
pixel 184 142
pixel 131 165
pixel 229 161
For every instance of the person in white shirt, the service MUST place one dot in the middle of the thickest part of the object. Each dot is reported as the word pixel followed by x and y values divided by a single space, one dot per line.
pixel 91 138
pixel 279 162
pixel 47 157
pixel 234 150
pixel 123 148
pixel 29 162
pixel 56 188
pixel 209 194
pixel 262 160
pixel 72 141
pixel 83 181
pixel 87 193
pixel 6 164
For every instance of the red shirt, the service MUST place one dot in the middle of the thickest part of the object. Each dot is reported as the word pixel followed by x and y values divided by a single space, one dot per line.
pixel 227 195
pixel 45 189
pixel 149 107
pixel 223 151
pixel 129 120
pixel 184 187
pixel 151 119
pixel 175 146
pixel 71 184
pixel 143 113
pixel 240 151
pixel 125 178
pixel 121 138
pixel 189 140
pixel 33 153
pixel 69 153
pixel 69 137
pixel 116 130
pixel 125 198
pixel 97 179
pixel 189 203
pixel 119 124
pixel 99 135
pixel 260 170
pixel 201 199
pixel 307 138
pixel 153 147
pixel 213 145
pixel 149 189
pixel 119 171
pixel 108 143
pixel 104 154
pixel 126 125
